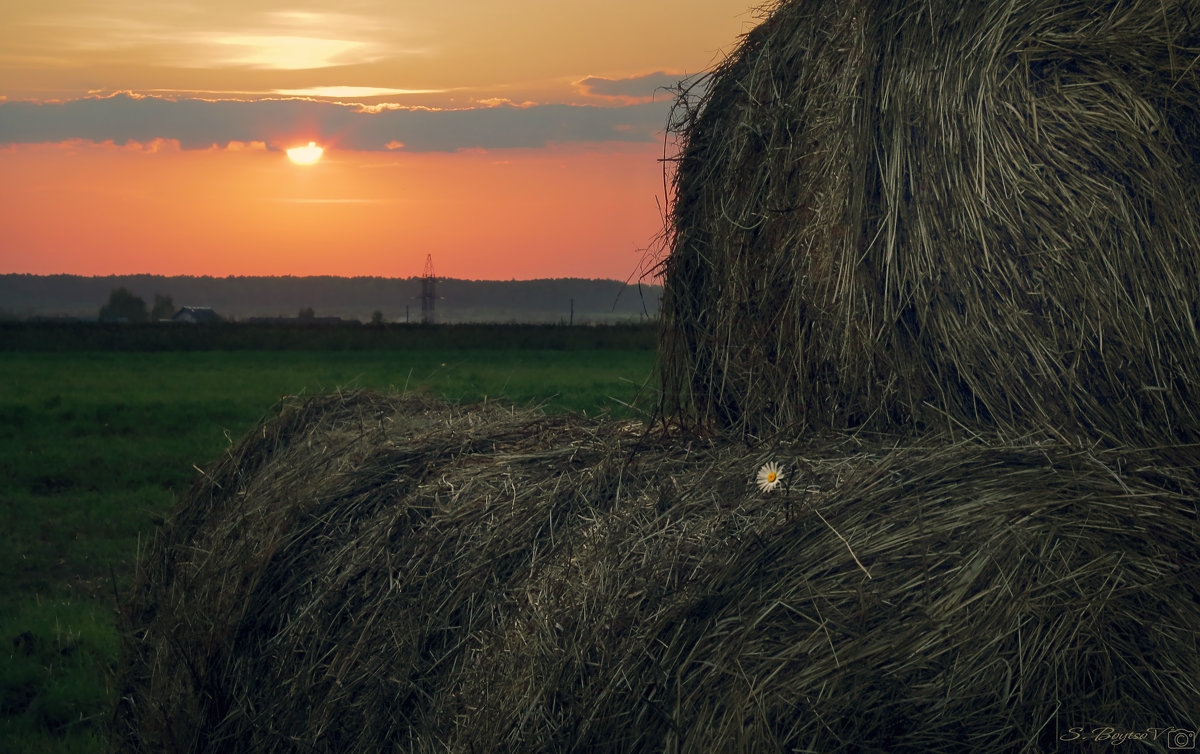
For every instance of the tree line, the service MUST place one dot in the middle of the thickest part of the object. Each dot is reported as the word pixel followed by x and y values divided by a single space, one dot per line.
pixel 243 297
pixel 124 306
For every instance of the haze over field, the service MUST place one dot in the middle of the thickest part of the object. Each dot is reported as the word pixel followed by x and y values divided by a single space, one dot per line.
pixel 397 300
pixel 510 140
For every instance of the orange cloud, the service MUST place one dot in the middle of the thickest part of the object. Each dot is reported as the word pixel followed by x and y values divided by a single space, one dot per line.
pixel 246 146
pixel 504 102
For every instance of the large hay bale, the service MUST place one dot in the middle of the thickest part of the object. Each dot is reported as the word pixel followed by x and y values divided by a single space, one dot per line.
pixel 912 215
pixel 394 574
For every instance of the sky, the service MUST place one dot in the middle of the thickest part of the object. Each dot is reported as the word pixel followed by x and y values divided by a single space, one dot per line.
pixel 511 140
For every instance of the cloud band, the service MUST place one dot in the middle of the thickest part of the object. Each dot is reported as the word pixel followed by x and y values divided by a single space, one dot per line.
pixel 199 124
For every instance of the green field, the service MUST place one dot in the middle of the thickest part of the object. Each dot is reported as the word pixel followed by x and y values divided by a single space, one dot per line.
pixel 96 446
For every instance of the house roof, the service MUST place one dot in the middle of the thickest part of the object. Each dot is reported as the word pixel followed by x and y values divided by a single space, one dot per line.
pixel 195 314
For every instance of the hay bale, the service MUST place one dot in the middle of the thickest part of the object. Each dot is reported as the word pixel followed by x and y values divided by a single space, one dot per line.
pixel 368 573
pixel 931 215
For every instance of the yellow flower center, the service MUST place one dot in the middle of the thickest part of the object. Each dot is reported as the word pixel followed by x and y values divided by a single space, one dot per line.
pixel 770 476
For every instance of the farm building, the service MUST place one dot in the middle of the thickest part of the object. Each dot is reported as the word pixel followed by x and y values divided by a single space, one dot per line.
pixel 195 315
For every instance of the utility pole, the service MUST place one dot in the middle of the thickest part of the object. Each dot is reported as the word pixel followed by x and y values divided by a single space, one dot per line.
pixel 428 292
pixel 572 313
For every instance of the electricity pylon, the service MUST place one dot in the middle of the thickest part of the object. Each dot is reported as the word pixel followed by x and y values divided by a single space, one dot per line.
pixel 428 292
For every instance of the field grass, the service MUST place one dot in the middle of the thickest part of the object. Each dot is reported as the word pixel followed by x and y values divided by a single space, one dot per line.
pixel 96 446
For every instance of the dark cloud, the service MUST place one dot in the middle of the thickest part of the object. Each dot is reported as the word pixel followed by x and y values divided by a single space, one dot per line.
pixel 655 85
pixel 198 124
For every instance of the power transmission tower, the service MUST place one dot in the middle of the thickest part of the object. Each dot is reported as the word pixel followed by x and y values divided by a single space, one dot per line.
pixel 428 292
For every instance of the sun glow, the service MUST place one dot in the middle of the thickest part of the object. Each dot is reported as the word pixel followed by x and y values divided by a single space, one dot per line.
pixel 305 155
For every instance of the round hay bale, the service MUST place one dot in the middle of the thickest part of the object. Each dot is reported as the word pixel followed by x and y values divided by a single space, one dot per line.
pixel 366 573
pixel 942 215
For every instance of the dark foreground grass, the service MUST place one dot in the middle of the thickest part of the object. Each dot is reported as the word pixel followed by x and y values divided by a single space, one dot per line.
pixel 95 447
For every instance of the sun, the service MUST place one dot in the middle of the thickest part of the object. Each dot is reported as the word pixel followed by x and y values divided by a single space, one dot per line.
pixel 305 155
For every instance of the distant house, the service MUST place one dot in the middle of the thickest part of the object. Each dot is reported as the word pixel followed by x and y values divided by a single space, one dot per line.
pixel 194 314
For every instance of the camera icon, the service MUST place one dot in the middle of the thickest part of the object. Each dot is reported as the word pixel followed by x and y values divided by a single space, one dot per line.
pixel 1180 739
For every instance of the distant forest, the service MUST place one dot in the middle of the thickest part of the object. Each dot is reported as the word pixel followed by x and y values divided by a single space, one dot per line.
pixel 397 299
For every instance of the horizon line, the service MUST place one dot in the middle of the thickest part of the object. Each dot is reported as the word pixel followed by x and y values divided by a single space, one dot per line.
pixel 629 281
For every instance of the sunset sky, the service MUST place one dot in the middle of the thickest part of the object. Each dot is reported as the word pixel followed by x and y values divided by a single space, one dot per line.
pixel 517 139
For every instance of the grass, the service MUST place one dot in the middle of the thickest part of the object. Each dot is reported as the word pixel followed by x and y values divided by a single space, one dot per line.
pixel 96 446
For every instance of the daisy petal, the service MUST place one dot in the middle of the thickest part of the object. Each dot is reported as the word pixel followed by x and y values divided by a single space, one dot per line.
pixel 769 476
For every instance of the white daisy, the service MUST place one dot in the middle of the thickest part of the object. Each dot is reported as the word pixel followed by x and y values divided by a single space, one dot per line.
pixel 769 476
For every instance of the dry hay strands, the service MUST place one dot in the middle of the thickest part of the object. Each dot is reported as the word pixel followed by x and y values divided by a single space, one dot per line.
pixel 942 215
pixel 392 574
pixel 310 587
